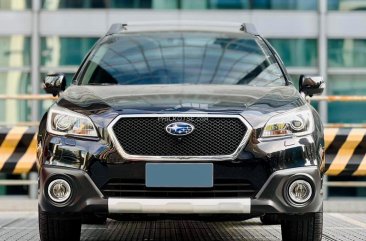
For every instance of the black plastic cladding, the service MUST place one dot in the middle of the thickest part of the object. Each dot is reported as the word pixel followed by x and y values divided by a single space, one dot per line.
pixel 136 188
pixel 147 136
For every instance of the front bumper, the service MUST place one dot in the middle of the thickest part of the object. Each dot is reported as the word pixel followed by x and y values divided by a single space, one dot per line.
pixel 87 198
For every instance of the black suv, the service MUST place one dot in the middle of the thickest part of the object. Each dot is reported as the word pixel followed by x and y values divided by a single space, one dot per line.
pixel 181 120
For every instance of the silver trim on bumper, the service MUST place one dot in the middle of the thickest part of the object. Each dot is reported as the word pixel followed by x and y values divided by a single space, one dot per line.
pixel 179 206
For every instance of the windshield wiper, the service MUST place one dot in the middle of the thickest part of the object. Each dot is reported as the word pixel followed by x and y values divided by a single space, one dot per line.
pixel 254 73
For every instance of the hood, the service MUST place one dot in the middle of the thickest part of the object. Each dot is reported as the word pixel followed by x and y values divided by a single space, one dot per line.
pixel 256 104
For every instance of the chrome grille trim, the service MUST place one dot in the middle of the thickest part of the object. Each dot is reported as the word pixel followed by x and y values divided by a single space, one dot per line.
pixel 127 156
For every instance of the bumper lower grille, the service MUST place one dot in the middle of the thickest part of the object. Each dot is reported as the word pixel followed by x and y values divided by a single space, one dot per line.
pixel 136 188
pixel 212 136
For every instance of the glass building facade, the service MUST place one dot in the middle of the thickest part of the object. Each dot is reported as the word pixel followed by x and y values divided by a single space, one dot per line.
pixel 15 58
pixel 183 4
pixel 61 48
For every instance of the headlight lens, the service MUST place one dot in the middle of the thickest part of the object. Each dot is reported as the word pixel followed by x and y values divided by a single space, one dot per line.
pixel 297 122
pixel 65 122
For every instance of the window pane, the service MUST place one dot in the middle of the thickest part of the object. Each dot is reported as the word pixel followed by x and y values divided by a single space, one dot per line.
pixel 295 80
pixel 344 112
pixel 228 4
pixel 13 83
pixel 56 4
pixel 183 4
pixel 347 52
pixel 15 51
pixel 347 191
pixel 346 5
pixel 285 4
pixel 15 4
pixel 133 3
pixel 58 51
pixel 297 52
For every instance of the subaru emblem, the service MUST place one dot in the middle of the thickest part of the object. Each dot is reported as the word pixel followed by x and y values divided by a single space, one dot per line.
pixel 179 128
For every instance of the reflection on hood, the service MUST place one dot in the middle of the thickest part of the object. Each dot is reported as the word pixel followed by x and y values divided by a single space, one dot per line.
pixel 251 102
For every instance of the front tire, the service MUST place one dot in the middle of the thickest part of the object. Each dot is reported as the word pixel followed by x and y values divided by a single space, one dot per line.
pixel 94 219
pixel 270 219
pixel 58 227
pixel 307 227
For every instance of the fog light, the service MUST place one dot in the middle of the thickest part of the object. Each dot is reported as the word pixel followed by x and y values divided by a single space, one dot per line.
pixel 59 190
pixel 300 191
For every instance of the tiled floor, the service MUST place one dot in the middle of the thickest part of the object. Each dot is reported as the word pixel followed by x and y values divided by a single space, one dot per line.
pixel 24 226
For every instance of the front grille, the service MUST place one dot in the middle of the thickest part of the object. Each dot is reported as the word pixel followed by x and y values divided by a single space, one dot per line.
pixel 212 136
pixel 136 188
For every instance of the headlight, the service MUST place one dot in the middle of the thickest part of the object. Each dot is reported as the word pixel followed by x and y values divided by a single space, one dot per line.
pixel 296 122
pixel 65 122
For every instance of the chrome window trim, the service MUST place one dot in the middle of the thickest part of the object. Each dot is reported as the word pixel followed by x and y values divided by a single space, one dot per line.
pixel 127 156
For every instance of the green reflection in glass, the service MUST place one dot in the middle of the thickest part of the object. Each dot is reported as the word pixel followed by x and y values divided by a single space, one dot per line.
pixel 297 52
pixel 57 4
pixel 133 3
pixel 183 4
pixel 15 51
pixel 61 51
pixel 348 191
pixel 295 80
pixel 347 52
pixel 345 112
pixel 15 4
pixel 285 4
pixel 347 5
pixel 14 83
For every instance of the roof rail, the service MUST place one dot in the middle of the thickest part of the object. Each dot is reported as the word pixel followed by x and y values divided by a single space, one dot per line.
pixel 249 28
pixel 116 28
pixel 119 27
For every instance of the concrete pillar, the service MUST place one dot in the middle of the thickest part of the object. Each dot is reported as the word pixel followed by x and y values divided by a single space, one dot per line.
pixel 323 65
pixel 35 77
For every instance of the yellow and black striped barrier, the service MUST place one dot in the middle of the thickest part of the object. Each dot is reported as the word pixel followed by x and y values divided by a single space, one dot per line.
pixel 345 151
pixel 18 150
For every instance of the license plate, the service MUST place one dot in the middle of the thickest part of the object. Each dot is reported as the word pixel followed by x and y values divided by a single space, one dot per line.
pixel 185 175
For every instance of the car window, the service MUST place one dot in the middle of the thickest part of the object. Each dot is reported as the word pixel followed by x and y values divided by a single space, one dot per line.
pixel 182 58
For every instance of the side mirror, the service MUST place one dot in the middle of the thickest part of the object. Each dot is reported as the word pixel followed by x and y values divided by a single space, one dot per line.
pixel 54 83
pixel 311 85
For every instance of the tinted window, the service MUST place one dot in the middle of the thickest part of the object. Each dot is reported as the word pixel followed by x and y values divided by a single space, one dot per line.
pixel 15 51
pixel 182 58
pixel 345 112
pixel 63 51
pixel 347 52
pixel 347 5
pixel 15 4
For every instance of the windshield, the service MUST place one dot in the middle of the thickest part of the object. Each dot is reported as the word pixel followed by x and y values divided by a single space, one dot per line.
pixel 182 58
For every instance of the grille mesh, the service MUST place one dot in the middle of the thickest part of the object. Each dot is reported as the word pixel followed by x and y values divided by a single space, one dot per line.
pixel 147 136
pixel 136 188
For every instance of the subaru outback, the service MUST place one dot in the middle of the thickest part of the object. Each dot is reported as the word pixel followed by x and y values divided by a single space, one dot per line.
pixel 166 120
